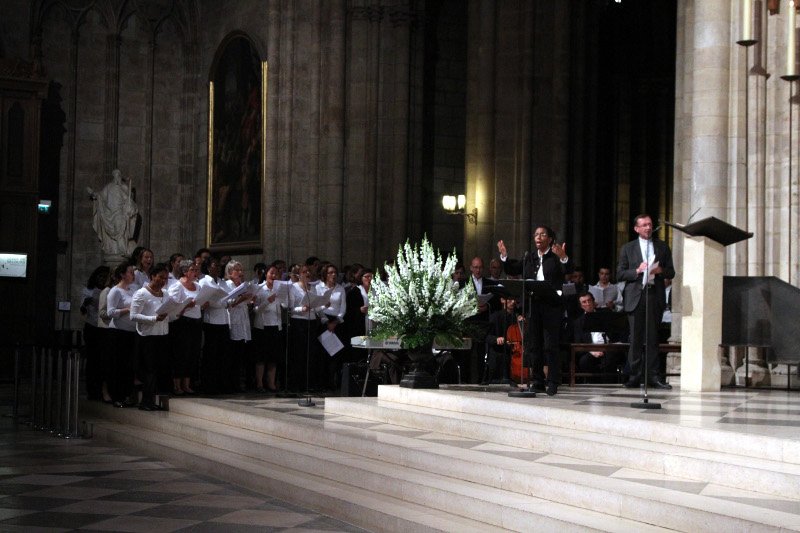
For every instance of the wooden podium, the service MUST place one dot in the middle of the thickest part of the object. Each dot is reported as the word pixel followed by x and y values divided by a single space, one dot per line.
pixel 701 300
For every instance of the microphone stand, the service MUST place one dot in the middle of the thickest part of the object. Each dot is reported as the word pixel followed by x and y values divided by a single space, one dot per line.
pixel 645 403
pixel 285 393
pixel 307 401
pixel 529 392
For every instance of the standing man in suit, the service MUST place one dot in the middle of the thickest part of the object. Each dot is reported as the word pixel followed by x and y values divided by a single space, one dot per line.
pixel 637 258
pixel 480 322
pixel 548 262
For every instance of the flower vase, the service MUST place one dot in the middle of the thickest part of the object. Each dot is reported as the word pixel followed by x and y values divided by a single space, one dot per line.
pixel 420 376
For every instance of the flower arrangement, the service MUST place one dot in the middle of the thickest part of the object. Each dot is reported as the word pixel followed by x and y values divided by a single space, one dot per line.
pixel 419 302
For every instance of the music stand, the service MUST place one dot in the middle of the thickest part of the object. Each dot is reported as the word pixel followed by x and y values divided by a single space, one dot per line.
pixel 536 291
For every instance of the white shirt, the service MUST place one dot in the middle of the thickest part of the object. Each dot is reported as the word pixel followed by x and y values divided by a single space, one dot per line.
pixel 269 313
pixel 119 299
pixel 338 303
pixel 238 318
pixel 298 300
pixel 179 293
pixel 144 305
pixel 103 320
pixel 217 311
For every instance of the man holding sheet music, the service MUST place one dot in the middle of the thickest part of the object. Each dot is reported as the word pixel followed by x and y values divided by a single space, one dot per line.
pixel 480 321
pixel 548 262
pixel 644 264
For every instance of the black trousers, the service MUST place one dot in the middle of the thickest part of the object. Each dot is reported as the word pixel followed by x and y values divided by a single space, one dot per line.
pixel 304 357
pixel 153 350
pixel 124 364
pixel 215 357
pixel 541 345
pixel 641 327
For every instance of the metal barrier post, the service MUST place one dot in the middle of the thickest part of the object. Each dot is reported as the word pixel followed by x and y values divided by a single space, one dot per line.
pixel 15 403
pixel 58 429
pixel 65 433
pixel 47 418
pixel 76 385
pixel 39 414
pixel 32 414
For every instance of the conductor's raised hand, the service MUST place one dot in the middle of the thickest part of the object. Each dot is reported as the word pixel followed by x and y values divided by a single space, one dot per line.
pixel 501 247
pixel 559 249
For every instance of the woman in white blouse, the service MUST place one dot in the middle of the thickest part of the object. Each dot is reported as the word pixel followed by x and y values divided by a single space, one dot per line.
pixel 188 335
pixel 268 340
pixel 144 264
pixel 332 316
pixel 216 332
pixel 304 330
pixel 92 335
pixel 239 321
pixel 152 329
pixel 123 336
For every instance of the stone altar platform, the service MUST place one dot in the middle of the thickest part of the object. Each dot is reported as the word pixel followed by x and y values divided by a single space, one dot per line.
pixel 468 458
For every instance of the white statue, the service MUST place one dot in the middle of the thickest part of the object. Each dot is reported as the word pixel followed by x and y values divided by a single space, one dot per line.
pixel 115 214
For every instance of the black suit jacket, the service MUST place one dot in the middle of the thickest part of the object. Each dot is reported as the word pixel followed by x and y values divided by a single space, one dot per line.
pixel 553 269
pixel 494 303
pixel 630 257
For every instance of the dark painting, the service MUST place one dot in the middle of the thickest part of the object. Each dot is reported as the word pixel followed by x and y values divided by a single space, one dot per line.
pixel 236 140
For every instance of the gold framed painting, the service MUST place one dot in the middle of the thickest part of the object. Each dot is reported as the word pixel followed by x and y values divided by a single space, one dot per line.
pixel 237 119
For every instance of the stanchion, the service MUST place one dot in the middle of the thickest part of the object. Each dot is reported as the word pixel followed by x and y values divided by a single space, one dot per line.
pixel 32 414
pixel 65 433
pixel 47 416
pixel 76 387
pixel 15 402
pixel 39 414
pixel 58 428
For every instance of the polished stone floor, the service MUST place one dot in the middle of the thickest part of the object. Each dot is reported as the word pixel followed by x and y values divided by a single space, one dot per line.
pixel 51 484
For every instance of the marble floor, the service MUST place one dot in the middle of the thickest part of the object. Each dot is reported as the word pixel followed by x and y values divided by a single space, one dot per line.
pixel 51 484
pixel 48 484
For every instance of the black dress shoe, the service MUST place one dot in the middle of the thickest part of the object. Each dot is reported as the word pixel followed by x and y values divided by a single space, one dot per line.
pixel 631 384
pixel 658 384
pixel 552 389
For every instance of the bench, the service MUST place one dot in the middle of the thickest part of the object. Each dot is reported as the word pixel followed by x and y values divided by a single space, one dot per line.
pixel 577 347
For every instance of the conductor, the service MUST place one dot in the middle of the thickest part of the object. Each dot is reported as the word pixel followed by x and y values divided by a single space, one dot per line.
pixel 550 263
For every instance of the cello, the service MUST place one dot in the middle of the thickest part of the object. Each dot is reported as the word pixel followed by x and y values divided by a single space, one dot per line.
pixel 519 373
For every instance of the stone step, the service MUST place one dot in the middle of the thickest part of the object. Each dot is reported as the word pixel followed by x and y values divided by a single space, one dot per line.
pixel 721 468
pixel 364 508
pixel 615 497
pixel 528 410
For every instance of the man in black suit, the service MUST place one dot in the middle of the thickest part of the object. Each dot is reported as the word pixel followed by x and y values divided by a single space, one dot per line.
pixel 594 361
pixel 479 322
pixel 548 262
pixel 644 303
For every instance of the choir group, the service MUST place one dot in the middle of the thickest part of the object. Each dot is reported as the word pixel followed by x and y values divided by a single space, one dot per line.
pixel 203 324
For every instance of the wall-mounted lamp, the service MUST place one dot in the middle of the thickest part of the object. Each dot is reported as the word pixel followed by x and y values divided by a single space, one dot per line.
pixel 456 205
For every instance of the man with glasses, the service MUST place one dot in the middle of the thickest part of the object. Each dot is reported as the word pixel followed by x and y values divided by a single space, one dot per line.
pixel 644 264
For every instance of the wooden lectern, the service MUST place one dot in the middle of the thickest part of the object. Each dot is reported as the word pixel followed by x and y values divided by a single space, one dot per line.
pixel 701 300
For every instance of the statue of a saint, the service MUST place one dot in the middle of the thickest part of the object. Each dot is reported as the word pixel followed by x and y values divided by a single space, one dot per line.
pixel 115 214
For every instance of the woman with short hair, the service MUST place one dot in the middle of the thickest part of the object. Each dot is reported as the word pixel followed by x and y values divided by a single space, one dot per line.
pixel 188 329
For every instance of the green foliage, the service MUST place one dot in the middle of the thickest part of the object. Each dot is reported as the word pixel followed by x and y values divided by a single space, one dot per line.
pixel 420 302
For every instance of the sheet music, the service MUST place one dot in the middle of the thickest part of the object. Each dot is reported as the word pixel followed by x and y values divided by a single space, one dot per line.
pixel 484 299
pixel 209 293
pixel 331 343
pixel 318 300
pixel 170 307
pixel 245 288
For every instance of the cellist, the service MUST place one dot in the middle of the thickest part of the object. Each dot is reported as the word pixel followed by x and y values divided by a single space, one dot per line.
pixel 504 339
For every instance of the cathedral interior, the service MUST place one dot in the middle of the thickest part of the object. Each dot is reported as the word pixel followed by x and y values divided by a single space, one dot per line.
pixel 281 130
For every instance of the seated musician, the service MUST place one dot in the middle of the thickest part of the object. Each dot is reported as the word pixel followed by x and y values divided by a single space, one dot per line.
pixel 594 361
pixel 499 353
